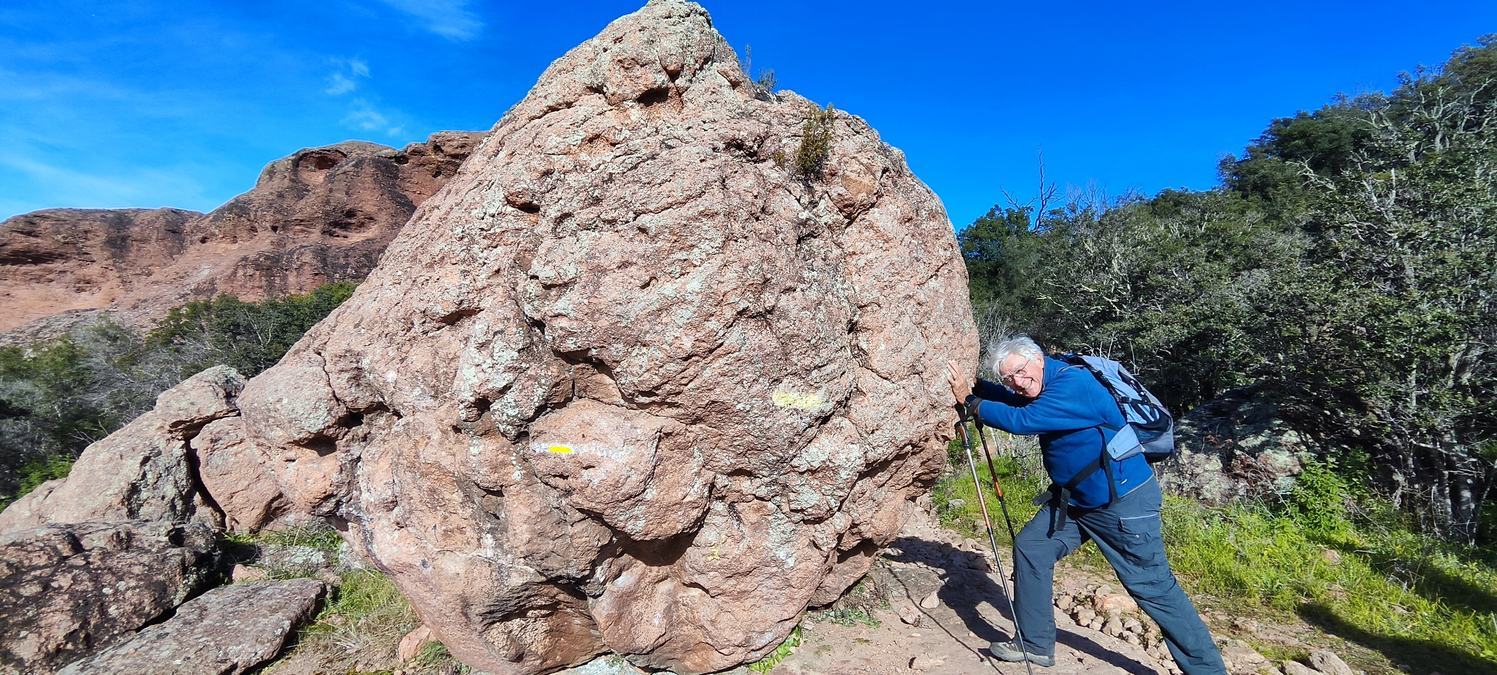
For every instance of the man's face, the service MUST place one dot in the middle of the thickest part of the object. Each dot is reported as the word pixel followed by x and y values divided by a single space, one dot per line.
pixel 1023 375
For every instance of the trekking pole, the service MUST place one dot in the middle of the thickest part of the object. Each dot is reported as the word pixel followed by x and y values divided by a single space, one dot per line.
pixel 993 540
pixel 1002 503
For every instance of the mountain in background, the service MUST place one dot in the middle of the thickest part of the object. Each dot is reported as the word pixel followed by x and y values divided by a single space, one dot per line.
pixel 318 216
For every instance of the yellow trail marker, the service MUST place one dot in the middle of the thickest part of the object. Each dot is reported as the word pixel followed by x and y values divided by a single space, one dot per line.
pixel 790 399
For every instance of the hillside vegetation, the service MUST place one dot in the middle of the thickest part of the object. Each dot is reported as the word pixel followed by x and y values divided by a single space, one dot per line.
pixel 1347 265
pixel 56 397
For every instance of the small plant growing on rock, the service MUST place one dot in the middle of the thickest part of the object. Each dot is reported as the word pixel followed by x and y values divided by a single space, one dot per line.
pixel 765 83
pixel 815 142
pixel 779 654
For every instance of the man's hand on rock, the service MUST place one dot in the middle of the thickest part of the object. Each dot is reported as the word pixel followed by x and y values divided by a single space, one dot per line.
pixel 960 386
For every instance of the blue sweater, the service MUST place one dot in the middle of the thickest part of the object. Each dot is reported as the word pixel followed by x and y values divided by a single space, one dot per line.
pixel 1073 416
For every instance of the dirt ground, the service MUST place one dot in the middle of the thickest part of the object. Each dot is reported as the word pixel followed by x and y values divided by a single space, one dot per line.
pixel 952 629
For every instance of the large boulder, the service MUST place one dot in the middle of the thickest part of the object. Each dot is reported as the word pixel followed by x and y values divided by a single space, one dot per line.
pixel 144 471
pixel 69 590
pixel 1234 447
pixel 225 631
pixel 633 381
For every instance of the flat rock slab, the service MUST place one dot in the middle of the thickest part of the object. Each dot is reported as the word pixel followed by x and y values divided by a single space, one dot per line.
pixel 227 630
pixel 68 590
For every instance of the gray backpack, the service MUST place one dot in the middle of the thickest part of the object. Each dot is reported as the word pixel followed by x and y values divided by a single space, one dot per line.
pixel 1148 428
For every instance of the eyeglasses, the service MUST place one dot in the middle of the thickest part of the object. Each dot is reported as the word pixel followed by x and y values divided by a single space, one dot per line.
pixel 1012 378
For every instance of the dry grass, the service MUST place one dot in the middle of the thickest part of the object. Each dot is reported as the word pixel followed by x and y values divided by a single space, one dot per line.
pixel 359 631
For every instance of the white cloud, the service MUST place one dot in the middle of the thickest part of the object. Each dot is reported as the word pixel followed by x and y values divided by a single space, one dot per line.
pixel 346 76
pixel 450 19
pixel 56 185
pixel 365 117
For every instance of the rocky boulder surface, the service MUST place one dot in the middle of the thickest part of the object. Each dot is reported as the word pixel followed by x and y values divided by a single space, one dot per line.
pixel 633 382
pixel 237 476
pixel 1232 447
pixel 145 471
pixel 129 534
pixel 225 631
pixel 67 591
pixel 318 216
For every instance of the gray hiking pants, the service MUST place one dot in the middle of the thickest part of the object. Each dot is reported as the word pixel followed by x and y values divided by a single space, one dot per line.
pixel 1127 532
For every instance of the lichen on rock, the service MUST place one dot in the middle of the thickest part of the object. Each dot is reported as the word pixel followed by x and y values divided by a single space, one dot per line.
pixel 626 384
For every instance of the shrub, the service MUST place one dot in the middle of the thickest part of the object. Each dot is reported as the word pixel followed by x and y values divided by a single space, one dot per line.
pixel 58 396
pixel 766 82
pixel 815 142
pixel 38 471
pixel 1318 499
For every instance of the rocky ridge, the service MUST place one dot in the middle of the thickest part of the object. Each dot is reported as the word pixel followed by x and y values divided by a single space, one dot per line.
pixel 318 216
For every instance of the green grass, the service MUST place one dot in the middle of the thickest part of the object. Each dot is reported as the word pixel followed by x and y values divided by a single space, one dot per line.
pixel 851 616
pixel 1416 600
pixel 289 553
pixel 434 656
pixel 360 627
pixel 1368 578
pixel 321 538
pixel 955 497
pixel 779 654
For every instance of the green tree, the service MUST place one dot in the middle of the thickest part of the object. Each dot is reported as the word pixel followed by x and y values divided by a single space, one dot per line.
pixel 1400 293
pixel 57 397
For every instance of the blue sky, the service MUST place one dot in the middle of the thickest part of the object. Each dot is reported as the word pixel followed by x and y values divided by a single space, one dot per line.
pixel 160 103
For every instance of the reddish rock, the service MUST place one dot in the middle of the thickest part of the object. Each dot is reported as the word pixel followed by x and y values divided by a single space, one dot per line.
pixel 1114 603
pixel 57 261
pixel 411 644
pixel 237 477
pixel 141 472
pixel 67 591
pixel 318 216
pixel 225 631
pixel 628 383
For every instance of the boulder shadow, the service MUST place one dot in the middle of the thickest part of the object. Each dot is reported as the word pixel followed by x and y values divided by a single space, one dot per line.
pixel 1427 580
pixel 1424 656
pixel 966 584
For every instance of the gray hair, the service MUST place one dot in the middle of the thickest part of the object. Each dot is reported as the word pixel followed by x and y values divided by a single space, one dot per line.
pixel 1003 347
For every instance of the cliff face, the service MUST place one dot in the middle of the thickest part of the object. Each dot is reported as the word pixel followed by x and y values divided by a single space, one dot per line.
pixel 318 216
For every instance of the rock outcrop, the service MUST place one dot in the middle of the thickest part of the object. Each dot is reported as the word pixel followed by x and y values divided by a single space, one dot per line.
pixel 67 591
pixel 144 471
pixel 225 631
pixel 1233 447
pixel 632 381
pixel 128 535
pixel 237 476
pixel 318 216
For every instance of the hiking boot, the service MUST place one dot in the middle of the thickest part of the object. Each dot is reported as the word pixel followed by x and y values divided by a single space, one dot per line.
pixel 1010 651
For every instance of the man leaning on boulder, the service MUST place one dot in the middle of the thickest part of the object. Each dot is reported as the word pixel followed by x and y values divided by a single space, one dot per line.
pixel 1074 415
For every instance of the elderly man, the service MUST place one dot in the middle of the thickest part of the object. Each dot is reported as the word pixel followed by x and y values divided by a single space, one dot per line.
pixel 1117 506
